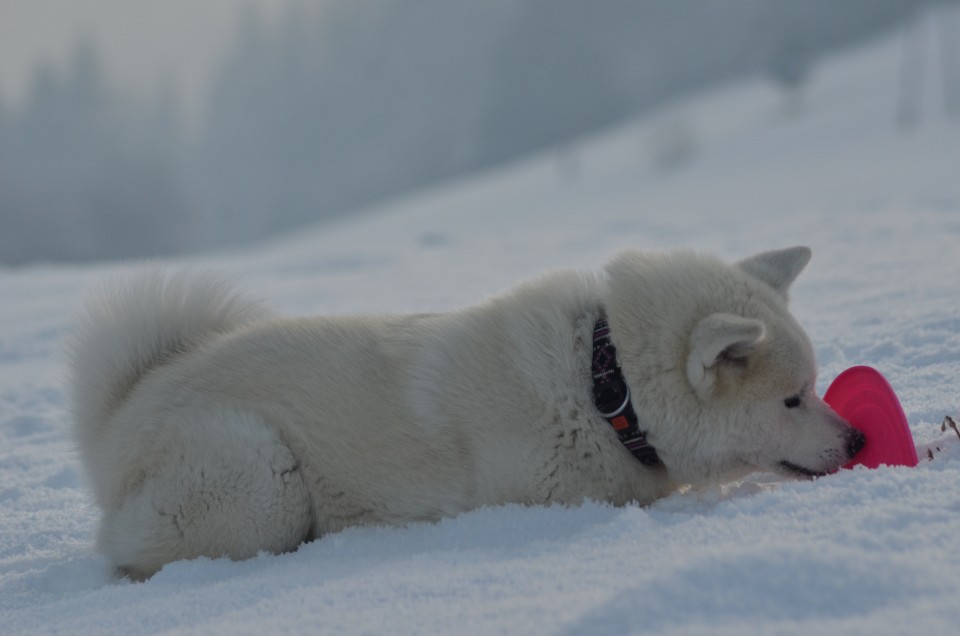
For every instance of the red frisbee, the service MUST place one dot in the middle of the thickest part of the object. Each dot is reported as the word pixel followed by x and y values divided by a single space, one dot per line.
pixel 865 399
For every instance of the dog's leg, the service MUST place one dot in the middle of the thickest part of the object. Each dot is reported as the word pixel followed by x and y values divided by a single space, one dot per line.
pixel 232 493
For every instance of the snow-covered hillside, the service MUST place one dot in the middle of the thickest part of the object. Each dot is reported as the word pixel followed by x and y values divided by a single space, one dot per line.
pixel 872 552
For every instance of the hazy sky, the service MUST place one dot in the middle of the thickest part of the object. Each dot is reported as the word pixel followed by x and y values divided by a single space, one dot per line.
pixel 141 41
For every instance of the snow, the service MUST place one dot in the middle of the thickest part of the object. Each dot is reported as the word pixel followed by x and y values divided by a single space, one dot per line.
pixel 862 551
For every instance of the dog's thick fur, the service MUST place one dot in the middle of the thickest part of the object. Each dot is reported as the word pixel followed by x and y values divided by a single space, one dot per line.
pixel 209 427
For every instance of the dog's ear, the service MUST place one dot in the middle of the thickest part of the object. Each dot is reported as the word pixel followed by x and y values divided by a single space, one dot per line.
pixel 778 268
pixel 717 340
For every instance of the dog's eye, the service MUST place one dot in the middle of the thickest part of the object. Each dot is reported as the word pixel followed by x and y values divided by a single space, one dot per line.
pixel 792 402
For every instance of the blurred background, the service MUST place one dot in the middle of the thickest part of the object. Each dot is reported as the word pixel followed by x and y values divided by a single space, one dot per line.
pixel 134 128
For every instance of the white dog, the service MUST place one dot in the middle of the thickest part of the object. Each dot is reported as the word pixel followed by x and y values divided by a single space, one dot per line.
pixel 208 427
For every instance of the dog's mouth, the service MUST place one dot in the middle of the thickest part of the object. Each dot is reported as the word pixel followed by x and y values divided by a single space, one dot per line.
pixel 800 471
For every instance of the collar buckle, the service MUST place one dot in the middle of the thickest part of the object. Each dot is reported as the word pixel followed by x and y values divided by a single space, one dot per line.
pixel 605 397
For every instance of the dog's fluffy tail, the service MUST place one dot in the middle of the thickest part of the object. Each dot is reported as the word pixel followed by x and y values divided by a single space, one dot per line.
pixel 135 324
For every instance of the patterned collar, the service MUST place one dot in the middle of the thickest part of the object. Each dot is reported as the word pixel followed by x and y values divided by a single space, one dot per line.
pixel 611 396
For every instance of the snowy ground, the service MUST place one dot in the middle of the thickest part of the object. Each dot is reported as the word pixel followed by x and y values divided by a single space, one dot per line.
pixel 873 552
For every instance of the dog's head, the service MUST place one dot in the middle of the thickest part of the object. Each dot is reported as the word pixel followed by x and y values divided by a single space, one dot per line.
pixel 722 374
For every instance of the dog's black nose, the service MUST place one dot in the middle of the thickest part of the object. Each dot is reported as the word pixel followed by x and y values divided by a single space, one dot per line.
pixel 855 443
